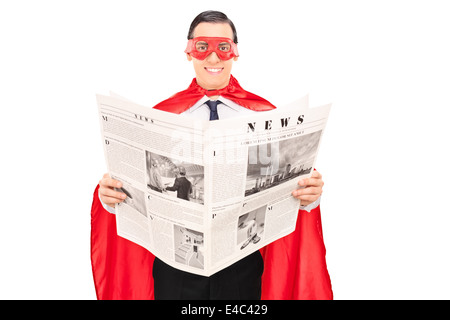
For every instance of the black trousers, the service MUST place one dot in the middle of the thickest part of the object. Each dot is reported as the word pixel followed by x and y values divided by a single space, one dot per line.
pixel 240 281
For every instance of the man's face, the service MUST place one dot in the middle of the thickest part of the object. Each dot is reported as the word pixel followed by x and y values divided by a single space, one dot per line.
pixel 212 73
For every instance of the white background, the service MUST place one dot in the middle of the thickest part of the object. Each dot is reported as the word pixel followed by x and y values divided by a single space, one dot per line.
pixel 384 157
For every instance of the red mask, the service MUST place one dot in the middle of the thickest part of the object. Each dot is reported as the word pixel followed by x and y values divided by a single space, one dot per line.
pixel 201 47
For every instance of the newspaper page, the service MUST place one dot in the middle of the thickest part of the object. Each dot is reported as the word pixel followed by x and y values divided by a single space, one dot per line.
pixel 202 195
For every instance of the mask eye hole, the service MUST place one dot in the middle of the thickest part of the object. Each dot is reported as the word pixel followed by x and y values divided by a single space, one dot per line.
pixel 201 46
pixel 224 47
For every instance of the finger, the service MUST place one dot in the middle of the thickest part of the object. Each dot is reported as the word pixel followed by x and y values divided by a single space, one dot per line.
pixel 110 201
pixel 315 182
pixel 308 191
pixel 307 198
pixel 110 193
pixel 110 182
pixel 316 174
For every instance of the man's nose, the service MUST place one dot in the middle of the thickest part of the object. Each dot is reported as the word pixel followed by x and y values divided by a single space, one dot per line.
pixel 213 57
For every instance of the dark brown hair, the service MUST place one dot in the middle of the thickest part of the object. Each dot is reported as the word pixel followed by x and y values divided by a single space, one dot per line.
pixel 212 17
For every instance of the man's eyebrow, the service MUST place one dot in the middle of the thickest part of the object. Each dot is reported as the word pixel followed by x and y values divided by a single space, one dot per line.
pixel 202 42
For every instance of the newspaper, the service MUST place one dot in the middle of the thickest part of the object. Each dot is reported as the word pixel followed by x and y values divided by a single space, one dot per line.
pixel 204 194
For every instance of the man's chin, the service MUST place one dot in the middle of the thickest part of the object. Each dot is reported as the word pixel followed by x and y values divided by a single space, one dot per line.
pixel 215 82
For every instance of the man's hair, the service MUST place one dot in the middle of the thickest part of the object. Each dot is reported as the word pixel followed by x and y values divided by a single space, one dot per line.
pixel 212 17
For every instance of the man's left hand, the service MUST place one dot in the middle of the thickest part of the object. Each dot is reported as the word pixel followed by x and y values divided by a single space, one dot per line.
pixel 311 191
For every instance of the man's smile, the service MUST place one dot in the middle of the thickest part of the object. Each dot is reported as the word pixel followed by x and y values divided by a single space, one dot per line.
pixel 214 70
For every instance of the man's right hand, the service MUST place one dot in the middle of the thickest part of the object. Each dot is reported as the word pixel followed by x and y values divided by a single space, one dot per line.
pixel 107 194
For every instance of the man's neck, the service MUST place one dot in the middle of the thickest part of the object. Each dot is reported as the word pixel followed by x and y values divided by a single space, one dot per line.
pixel 209 88
pixel 213 97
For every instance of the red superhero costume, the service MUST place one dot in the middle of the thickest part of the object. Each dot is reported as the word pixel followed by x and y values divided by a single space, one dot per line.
pixel 294 266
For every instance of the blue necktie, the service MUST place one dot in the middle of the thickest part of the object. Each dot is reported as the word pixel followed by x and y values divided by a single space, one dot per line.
pixel 213 115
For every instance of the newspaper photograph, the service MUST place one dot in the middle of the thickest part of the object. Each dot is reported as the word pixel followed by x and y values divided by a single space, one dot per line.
pixel 202 195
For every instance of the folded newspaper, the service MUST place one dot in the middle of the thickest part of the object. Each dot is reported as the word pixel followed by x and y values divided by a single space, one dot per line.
pixel 202 195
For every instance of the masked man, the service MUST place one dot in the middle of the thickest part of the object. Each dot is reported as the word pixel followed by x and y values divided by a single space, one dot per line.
pixel 292 267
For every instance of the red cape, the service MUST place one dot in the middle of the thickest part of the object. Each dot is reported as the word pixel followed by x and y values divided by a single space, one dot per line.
pixel 294 266
pixel 185 99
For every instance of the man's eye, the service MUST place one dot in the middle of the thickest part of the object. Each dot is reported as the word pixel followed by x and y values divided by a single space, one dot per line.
pixel 224 47
pixel 201 47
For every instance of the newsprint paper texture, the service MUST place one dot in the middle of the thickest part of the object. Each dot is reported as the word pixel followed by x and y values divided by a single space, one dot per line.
pixel 204 194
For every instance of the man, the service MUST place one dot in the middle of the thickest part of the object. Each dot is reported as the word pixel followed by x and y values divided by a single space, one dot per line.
pixel 216 94
pixel 154 177
pixel 181 185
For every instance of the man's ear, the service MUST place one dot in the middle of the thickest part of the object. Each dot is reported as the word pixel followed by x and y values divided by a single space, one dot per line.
pixel 188 56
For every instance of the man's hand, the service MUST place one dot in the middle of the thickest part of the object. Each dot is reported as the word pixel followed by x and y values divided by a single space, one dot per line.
pixel 311 191
pixel 108 195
